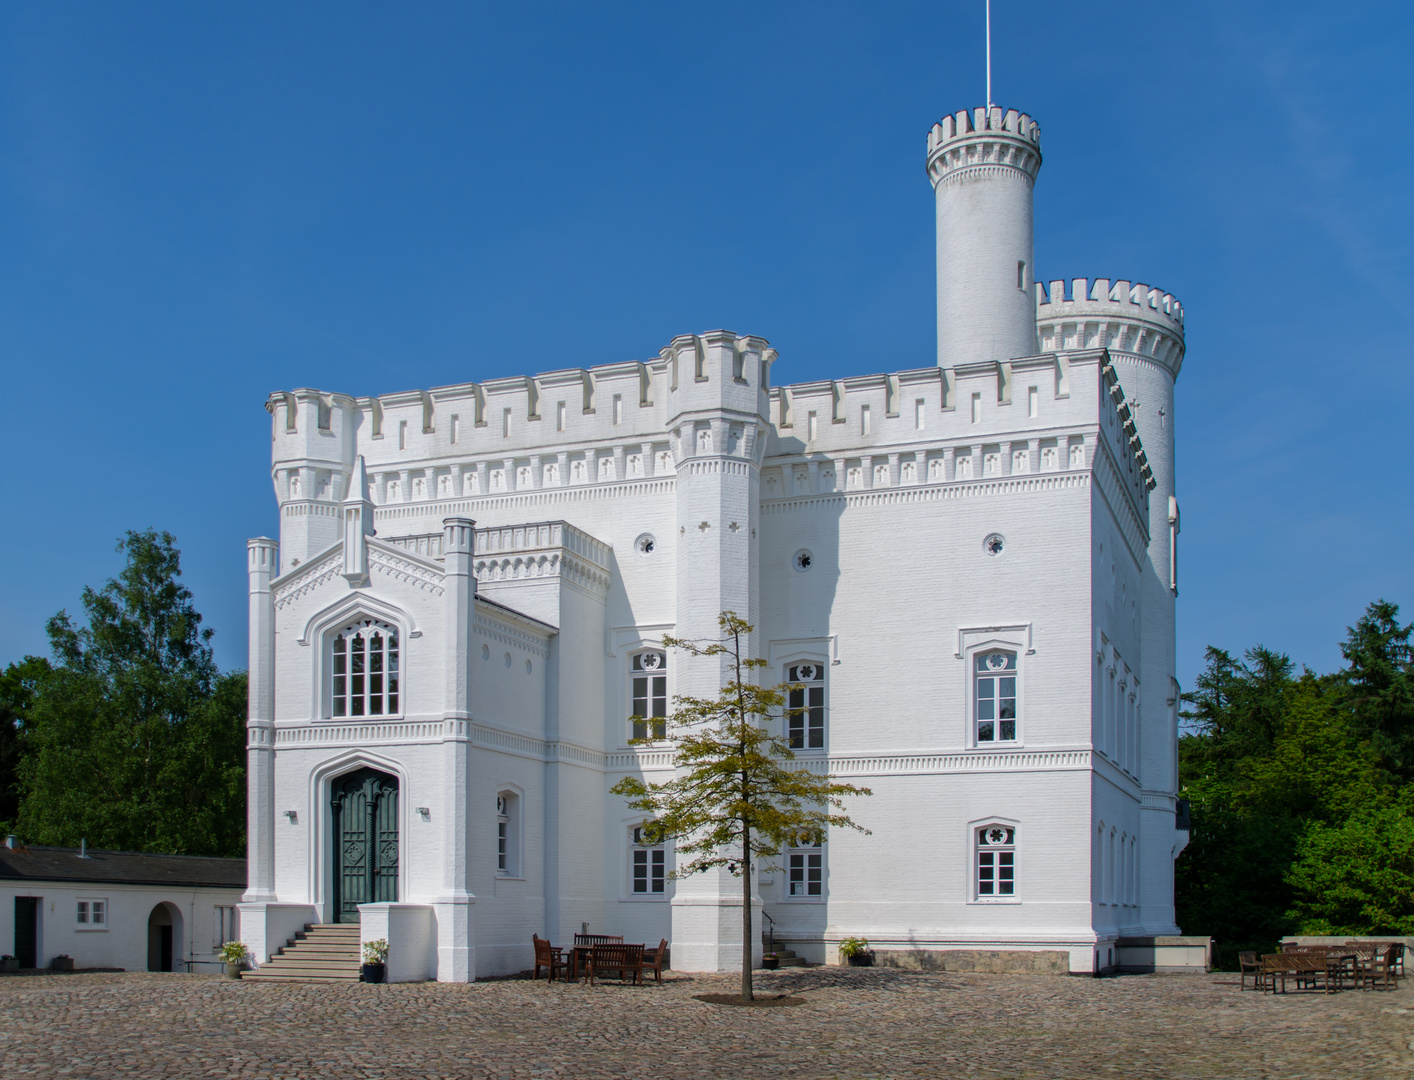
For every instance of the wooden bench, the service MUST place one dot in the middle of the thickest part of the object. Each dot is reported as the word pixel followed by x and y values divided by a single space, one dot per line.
pixel 627 960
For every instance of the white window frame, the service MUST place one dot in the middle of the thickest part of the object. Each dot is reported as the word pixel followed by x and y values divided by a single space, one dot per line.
pixel 636 846
pixel 822 667
pixel 509 829
pixel 975 850
pixel 635 672
pixel 799 856
pixel 361 623
pixel 225 923
pixel 971 655
pixel 85 910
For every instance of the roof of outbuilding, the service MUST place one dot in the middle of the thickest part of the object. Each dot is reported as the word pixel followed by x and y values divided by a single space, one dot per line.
pixel 37 863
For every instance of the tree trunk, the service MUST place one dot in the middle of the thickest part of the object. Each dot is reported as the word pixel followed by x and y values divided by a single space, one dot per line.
pixel 746 914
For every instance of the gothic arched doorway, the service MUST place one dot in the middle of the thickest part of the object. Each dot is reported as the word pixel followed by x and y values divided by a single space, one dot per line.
pixel 365 833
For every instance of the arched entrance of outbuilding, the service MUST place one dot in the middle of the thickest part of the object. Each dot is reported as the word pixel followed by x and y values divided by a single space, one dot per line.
pixel 164 937
pixel 364 827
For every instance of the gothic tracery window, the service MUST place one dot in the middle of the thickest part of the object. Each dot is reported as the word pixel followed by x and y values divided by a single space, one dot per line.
pixel 365 670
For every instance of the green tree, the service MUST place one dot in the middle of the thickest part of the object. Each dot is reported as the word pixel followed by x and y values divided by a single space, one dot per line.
pixel 1299 788
pixel 1356 877
pixel 17 684
pixel 133 739
pixel 736 799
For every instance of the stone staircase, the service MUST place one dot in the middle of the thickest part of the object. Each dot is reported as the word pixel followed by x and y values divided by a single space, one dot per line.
pixel 787 956
pixel 789 959
pixel 325 952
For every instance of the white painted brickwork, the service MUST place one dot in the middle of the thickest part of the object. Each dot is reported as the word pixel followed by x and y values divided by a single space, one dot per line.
pixel 526 537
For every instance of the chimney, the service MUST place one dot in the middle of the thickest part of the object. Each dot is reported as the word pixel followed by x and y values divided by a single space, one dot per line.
pixel 12 841
pixel 83 849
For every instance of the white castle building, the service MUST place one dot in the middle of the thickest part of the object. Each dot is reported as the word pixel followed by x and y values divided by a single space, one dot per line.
pixel 969 568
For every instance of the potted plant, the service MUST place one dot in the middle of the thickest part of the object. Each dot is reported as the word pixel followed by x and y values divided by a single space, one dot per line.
pixel 375 961
pixel 62 962
pixel 770 961
pixel 233 954
pixel 9 963
pixel 854 951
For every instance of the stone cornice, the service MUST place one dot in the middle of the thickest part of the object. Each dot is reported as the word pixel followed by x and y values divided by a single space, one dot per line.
pixel 931 492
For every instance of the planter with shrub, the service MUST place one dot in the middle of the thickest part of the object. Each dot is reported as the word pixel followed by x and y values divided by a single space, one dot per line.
pixel 375 961
pixel 855 952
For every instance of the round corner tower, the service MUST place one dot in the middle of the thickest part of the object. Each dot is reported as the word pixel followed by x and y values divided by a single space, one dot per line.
pixel 983 167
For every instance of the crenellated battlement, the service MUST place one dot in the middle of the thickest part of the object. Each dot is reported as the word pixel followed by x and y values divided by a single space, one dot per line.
pixel 985 138
pixel 1100 313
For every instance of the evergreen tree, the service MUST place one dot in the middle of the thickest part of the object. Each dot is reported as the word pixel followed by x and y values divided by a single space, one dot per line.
pixel 736 799
pixel 132 739
pixel 1380 682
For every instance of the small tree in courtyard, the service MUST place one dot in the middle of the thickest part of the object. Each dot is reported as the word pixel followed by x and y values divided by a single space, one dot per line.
pixel 736 799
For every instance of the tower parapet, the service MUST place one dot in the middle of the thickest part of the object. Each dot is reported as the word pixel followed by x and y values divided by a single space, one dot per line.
pixel 983 167
pixel 1097 313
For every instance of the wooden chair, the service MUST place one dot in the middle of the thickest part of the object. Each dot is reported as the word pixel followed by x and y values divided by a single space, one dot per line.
pixel 1248 963
pixel 653 959
pixel 627 960
pixel 1381 968
pixel 1397 947
pixel 546 956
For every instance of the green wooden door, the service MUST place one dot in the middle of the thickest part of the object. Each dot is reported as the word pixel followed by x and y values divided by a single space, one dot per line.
pixel 365 834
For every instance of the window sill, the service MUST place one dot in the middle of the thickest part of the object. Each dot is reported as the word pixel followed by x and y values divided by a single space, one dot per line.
pixel 509 877
pixel 651 898
pixel 358 719
pixel 994 746
pixel 91 929
pixel 803 899
pixel 988 900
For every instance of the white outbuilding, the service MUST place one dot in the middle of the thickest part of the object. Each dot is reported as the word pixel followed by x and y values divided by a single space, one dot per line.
pixel 116 909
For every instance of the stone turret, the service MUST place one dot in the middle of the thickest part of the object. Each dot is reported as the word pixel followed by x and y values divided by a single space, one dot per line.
pixel 983 167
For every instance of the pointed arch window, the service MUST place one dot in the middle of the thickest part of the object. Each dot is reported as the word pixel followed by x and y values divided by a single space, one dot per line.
pixel 365 670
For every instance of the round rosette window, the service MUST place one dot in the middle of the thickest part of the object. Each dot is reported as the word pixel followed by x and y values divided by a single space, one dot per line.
pixel 802 560
pixel 645 545
pixel 994 545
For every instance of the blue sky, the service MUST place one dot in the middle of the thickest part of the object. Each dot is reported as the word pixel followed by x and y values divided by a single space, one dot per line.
pixel 200 204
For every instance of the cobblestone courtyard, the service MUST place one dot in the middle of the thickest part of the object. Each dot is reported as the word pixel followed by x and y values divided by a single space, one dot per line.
pixel 855 1023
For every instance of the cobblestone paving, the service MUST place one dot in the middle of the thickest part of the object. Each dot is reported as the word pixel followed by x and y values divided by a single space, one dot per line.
pixel 857 1023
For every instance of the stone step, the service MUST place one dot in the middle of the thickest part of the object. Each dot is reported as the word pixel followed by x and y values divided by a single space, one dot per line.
pixel 794 961
pixel 283 977
pixel 287 959
pixel 320 948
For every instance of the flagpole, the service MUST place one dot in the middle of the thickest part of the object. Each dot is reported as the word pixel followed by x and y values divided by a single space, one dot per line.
pixel 989 54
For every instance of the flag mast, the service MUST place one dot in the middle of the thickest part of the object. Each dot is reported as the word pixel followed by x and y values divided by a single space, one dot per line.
pixel 989 55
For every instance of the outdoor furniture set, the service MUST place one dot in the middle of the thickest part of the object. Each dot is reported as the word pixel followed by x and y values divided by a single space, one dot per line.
pixel 1356 965
pixel 596 955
